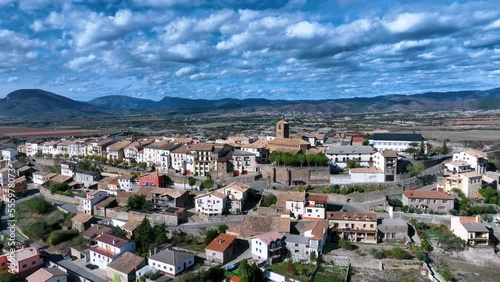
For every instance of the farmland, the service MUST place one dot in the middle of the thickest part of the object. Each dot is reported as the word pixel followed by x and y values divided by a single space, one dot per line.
pixel 46 132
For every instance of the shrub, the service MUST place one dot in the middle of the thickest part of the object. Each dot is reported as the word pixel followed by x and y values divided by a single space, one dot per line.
pixel 38 205
pixel 399 253
pixel 346 245
pixel 268 200
pixel 59 236
pixel 378 254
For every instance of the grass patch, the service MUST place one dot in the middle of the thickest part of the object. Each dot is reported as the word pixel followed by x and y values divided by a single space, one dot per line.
pixel 330 273
pixel 293 270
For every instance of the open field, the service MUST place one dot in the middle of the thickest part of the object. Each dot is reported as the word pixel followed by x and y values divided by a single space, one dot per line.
pixel 45 132
pixel 375 275
pixel 467 135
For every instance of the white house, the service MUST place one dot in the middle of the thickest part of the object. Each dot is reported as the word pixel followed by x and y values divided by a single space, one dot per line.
pixel 125 181
pixel 317 232
pixel 387 162
pixel 171 262
pixel 398 142
pixel 236 193
pixel 339 155
pixel 9 154
pixel 49 147
pixel 108 248
pixel 88 178
pixel 258 148
pixel 244 162
pixel 68 169
pixel 41 177
pixel 457 167
pixel 268 246
pixel 209 204
pixel 470 229
pixel 32 148
pixel 468 182
pixel 93 197
pixel 295 202
pixel 315 207
pixel 478 160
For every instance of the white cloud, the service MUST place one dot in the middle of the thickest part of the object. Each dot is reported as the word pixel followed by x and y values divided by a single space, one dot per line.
pixel 406 22
pixel 184 71
pixel 305 30
pixel 80 62
pixel 12 79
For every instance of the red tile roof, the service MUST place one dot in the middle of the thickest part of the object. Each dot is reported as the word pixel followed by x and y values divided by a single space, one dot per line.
pixel 221 243
pixel 417 194
pixel 112 240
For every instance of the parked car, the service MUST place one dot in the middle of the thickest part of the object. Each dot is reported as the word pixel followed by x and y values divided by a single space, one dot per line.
pixel 91 266
pixel 298 182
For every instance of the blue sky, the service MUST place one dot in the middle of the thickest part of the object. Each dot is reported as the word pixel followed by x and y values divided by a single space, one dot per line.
pixel 286 49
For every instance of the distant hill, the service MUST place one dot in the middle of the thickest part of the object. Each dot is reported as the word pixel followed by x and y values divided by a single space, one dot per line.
pixel 40 104
pixel 37 103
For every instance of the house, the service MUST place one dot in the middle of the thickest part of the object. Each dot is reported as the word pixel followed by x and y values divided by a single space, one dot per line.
pixel 51 274
pixel 268 246
pixel 315 207
pixel 68 168
pixel 288 145
pixel 236 193
pixel 108 248
pixel 457 167
pixel 8 154
pixel 171 262
pixel 202 158
pixel 210 204
pixel 41 177
pixel 77 147
pixel 468 182
pixel 125 182
pixel 22 262
pixel 357 140
pixel 428 200
pixel 253 225
pixel 182 160
pixel 166 197
pixel 32 147
pixel 387 162
pixel 20 187
pixel 95 230
pixel 115 152
pixel 470 229
pixel 87 201
pixel 61 179
pixel 353 226
pixel 398 142
pixel 298 247
pixel 340 155
pixel 100 208
pixel 81 221
pixel 87 178
pixel 317 233
pixel 124 267
pixel 222 249
pixel 478 160
pixel 99 148
pixel 130 227
pixel 259 149
pixel 295 202
pixel 393 230
pixel 49 148
pixel 222 157
pixel 365 175
pixel 244 162
pixel 174 216
pixel 153 179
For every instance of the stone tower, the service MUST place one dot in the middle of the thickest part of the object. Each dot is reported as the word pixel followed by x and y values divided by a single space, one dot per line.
pixel 282 129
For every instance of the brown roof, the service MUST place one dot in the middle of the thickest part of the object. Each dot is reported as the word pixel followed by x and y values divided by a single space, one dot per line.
pixel 270 237
pixel 131 225
pixel 149 191
pixel 459 163
pixel 106 202
pixel 357 139
pixel 272 211
pixel 112 240
pixel 389 154
pixel 295 196
pixel 184 149
pixel 318 229
pixel 288 142
pixel 283 121
pixel 256 145
pixel 283 149
pixel 103 183
pixel 221 243
pixel 127 176
pixel 476 153
pixel 419 194
pixel 61 179
pixel 127 263
pixel 45 274
pixel 119 145
pixel 82 217
pixel 469 219
pixel 238 186
pixel 365 170
pixel 253 225
pixel 356 216
pixel 317 198
pixel 202 147
pixel 470 174
pixel 153 174
pixel 96 230
pixel 213 193
pixel 122 196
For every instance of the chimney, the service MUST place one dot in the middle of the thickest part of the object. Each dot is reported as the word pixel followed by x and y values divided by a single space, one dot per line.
pixel 114 241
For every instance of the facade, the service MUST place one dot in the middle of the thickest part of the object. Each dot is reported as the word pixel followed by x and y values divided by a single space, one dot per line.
pixel 68 168
pixel 398 142
pixel 315 207
pixel 51 274
pixel 171 262
pixel 123 268
pixel 317 233
pixel 81 221
pixel 268 246
pixel 182 160
pixel 116 151
pixel 202 159
pixel 469 183
pixel 478 160
pixel 353 226
pixel 457 167
pixel 125 182
pixel 236 193
pixel 470 229
pixel 282 129
pixel 8 154
pixel 92 198
pixel 108 248
pixel 298 247
pixel 387 162
pixel 295 202
pixel 428 200
pixel 210 204
pixel 339 155
pixel 258 148
pixel 87 178
pixel 244 162
pixel 393 230
pixel 26 261
pixel 222 249
pixel 20 187
pixel 40 177
pixel 153 179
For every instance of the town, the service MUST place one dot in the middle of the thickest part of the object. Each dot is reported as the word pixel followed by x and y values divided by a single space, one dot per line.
pixel 307 206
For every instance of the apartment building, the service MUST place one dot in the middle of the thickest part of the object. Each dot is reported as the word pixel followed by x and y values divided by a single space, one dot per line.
pixel 116 151
pixel 8 154
pixel 182 160
pixel 428 200
pixel 315 208
pixel 258 148
pixel 353 226
pixel 269 246
pixel 340 155
pixel 478 160
pixel 469 183
pixel 244 162
pixel 236 193
pixel 457 167
pixel 295 202
pixel 153 179
pixel 210 204
pixel 26 261
pixel 387 162
pixel 203 159
pixel 398 142
pixel 108 248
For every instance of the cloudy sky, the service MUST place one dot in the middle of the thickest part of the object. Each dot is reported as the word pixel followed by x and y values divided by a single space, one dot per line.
pixel 288 49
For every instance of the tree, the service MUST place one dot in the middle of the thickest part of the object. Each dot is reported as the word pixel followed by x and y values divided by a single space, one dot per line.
pixel 268 200
pixel 444 149
pixel 160 233
pixel 222 228
pixel 412 149
pixel 38 230
pixel 290 268
pixel 302 159
pixel 58 188
pixel 417 169
pixel 244 271
pixel 352 163
pixel 137 203
pixel 346 245
pixel 210 235
pixel 313 257
pixel 144 237
pixel 38 205
pixel 191 182
pixel 208 183
pixel 142 165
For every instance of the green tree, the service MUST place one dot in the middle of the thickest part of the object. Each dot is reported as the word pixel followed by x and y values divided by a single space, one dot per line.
pixel 268 200
pixel 59 236
pixel 352 163
pixel 144 237
pixel 244 271
pixel 142 165
pixel 417 169
pixel 399 253
pixel 412 149
pixel 37 230
pixel 160 233
pixel 222 228
pixel 191 182
pixel 208 183
pixel 137 203
pixel 210 235
pixel 58 188
pixel 38 205
pixel 444 149
pixel 346 245
pixel 258 275
pixel 301 158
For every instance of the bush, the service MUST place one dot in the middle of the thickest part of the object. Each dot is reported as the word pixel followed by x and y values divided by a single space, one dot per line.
pixel 38 205
pixel 378 254
pixel 268 200
pixel 398 253
pixel 59 236
pixel 58 188
pixel 210 235
pixel 346 245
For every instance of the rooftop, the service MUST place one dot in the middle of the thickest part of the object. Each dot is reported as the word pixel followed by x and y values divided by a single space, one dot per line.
pixel 356 216
pixel 238 186
pixel 476 153
pixel 253 225
pixel 45 274
pixel 317 229
pixel 241 153
pixel 389 154
pixel 96 230
pixel 419 194
pixel 393 222
pixel 411 137
pixel 112 240
pixel 127 263
pixel 288 142
pixel 221 242
pixel 119 145
pixel 82 217
pixel 365 170
pixel 171 257
pixel 202 147
pixel 296 196
pixel 332 150
pixel 297 239
pixel 25 253
pixel 213 193
pixel 270 237
pixel 61 179
pixel 475 227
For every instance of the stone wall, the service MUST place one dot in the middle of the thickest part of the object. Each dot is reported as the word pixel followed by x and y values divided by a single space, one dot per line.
pixel 285 175
pixel 368 196
pixel 46 193
pixel 156 218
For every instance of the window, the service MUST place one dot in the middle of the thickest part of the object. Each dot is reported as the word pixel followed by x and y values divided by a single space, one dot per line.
pixel 24 265
pixel 310 210
pixel 296 251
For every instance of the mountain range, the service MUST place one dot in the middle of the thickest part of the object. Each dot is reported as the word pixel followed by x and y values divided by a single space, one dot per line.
pixel 29 103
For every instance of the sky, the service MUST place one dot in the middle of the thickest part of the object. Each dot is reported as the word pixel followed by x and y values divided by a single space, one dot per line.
pixel 275 49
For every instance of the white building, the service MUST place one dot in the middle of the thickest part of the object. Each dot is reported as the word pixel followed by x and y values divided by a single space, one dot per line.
pixel 317 233
pixel 182 160
pixel 244 162
pixel 125 182
pixel 77 147
pixel 315 207
pixel 108 248
pixel 93 197
pixel 41 177
pixel 387 162
pixel 236 193
pixel 158 153
pixel 32 148
pixel 295 202
pixel 209 204
pixel 171 262
pixel 478 160
pixel 9 154
pixel 87 178
pixel 268 246
pixel 469 183
pixel 398 142
pixel 457 167
pixel 470 229
pixel 68 169
pixel 339 155
pixel 258 148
